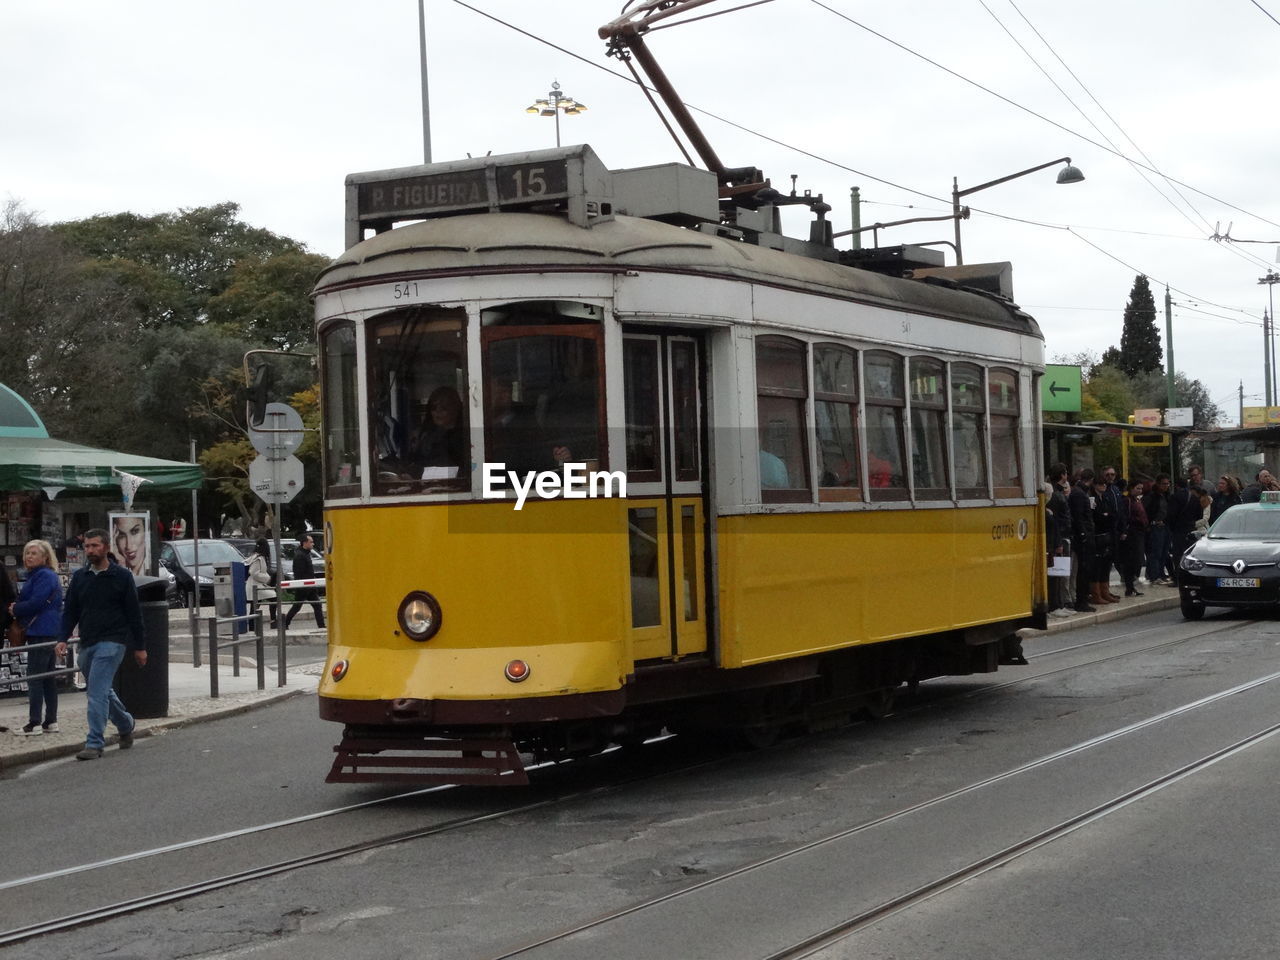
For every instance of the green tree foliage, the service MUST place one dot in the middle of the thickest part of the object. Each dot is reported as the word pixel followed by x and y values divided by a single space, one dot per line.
pixel 174 264
pixel 269 300
pixel 1140 350
pixel 128 332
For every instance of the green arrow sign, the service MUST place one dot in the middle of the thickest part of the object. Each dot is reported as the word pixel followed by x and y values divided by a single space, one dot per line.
pixel 1060 388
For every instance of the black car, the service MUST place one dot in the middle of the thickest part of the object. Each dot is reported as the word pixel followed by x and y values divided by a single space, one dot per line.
pixel 1237 564
pixel 177 557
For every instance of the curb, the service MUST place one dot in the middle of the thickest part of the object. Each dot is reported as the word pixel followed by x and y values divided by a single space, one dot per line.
pixel 1120 611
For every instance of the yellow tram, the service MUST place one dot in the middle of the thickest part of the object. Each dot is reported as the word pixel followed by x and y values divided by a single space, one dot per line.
pixel 601 460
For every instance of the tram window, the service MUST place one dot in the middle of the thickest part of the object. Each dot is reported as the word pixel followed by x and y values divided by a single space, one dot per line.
pixel 835 409
pixel 1002 395
pixel 968 434
pixel 542 386
pixel 642 540
pixel 418 417
pixel 929 429
pixel 886 477
pixel 684 410
pixel 341 411
pixel 642 387
pixel 781 391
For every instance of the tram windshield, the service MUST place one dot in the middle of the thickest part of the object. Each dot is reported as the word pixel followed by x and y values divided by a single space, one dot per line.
pixel 417 412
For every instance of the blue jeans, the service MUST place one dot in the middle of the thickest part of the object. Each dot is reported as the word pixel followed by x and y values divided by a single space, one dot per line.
pixel 1157 552
pixel 42 692
pixel 99 662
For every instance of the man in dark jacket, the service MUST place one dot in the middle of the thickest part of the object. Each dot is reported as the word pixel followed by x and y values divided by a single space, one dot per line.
pixel 304 569
pixel 1081 501
pixel 1156 503
pixel 103 601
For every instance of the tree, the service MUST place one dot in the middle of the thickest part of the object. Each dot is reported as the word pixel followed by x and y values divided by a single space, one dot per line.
pixel 270 300
pixel 174 263
pixel 1152 390
pixel 1140 350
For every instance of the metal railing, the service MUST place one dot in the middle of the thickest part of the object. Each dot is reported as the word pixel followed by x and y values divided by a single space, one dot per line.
pixel 214 646
pixel 71 668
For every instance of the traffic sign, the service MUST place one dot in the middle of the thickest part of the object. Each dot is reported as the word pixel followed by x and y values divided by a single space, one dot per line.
pixel 276 481
pixel 280 433
pixel 1060 388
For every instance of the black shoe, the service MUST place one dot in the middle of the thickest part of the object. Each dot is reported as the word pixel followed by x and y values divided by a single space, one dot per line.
pixel 1133 593
pixel 1085 608
pixel 126 740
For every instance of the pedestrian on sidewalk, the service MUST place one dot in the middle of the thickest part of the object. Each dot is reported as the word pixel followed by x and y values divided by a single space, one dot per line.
pixel 304 569
pixel 39 610
pixel 103 601
pixel 260 574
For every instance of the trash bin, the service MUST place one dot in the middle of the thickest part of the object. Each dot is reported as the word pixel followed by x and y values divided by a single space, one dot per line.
pixel 145 690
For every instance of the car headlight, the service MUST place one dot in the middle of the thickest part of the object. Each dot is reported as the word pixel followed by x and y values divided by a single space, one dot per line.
pixel 1192 563
pixel 419 615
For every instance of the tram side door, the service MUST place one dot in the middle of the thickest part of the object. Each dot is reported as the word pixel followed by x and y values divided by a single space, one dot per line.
pixel 664 381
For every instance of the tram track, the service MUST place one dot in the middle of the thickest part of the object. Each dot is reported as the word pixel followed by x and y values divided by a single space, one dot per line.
pixel 184 891
pixel 593 929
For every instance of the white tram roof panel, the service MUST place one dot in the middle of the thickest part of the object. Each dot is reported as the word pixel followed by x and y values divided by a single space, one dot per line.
pixel 524 242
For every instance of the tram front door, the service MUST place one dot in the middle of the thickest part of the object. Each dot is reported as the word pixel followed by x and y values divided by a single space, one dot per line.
pixel 666 493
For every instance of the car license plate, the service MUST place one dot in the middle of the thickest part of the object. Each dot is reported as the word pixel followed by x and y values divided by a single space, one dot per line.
pixel 1239 582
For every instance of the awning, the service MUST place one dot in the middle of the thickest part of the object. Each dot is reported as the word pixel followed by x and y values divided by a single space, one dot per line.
pixel 41 463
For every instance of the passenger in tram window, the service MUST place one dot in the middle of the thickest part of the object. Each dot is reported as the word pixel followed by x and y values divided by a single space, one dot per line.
pixel 773 471
pixel 514 437
pixel 442 445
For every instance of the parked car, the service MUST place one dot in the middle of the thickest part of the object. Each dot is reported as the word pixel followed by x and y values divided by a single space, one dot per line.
pixel 1237 564
pixel 177 559
pixel 288 547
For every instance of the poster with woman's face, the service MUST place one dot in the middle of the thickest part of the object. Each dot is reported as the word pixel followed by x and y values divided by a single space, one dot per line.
pixel 130 541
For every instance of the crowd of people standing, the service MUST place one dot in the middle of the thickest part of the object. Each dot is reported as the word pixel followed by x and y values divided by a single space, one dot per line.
pixel 1140 527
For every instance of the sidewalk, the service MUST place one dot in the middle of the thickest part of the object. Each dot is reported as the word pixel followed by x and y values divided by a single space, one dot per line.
pixel 189 700
pixel 1154 598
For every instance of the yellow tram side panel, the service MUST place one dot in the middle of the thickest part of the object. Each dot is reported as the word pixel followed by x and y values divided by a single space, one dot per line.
pixel 796 584
pixel 546 584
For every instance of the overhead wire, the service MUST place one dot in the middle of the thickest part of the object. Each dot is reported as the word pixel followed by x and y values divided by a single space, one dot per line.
pixel 845 167
pixel 1039 116
pixel 1105 111
pixel 1266 11
pixel 1080 110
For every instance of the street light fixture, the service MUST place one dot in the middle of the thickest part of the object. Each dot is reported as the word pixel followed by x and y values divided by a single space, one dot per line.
pixel 554 104
pixel 1067 174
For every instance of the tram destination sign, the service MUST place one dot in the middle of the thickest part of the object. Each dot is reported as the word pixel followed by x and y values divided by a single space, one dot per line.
pixel 483 188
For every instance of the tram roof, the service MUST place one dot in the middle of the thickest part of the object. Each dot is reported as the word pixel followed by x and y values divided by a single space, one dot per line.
pixel 517 242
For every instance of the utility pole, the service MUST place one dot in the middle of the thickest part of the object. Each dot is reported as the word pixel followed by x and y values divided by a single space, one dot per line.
pixel 1168 345
pixel 1240 422
pixel 1268 342
pixel 426 108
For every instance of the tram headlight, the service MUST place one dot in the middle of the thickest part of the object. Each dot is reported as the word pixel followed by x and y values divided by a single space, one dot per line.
pixel 419 615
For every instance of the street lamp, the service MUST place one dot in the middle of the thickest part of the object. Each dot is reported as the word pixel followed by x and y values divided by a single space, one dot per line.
pixel 1067 174
pixel 554 104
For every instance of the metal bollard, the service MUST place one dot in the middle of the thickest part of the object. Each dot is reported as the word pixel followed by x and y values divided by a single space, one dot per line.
pixel 259 650
pixel 213 656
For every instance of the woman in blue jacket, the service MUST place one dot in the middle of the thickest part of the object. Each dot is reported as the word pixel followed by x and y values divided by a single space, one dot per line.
pixel 39 610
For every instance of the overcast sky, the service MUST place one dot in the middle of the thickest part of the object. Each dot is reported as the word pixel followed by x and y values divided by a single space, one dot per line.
pixel 154 105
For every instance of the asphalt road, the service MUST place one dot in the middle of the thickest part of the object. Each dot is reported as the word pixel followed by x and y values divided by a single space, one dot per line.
pixel 968 767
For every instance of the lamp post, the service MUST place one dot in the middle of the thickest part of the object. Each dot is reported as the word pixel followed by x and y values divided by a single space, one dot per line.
pixel 1067 174
pixel 555 103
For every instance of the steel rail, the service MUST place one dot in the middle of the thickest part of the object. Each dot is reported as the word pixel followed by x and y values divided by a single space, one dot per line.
pixel 842 931
pixel 950 879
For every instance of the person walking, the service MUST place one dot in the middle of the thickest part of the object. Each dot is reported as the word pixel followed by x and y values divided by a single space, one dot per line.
pixel 304 569
pixel 102 600
pixel 38 610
